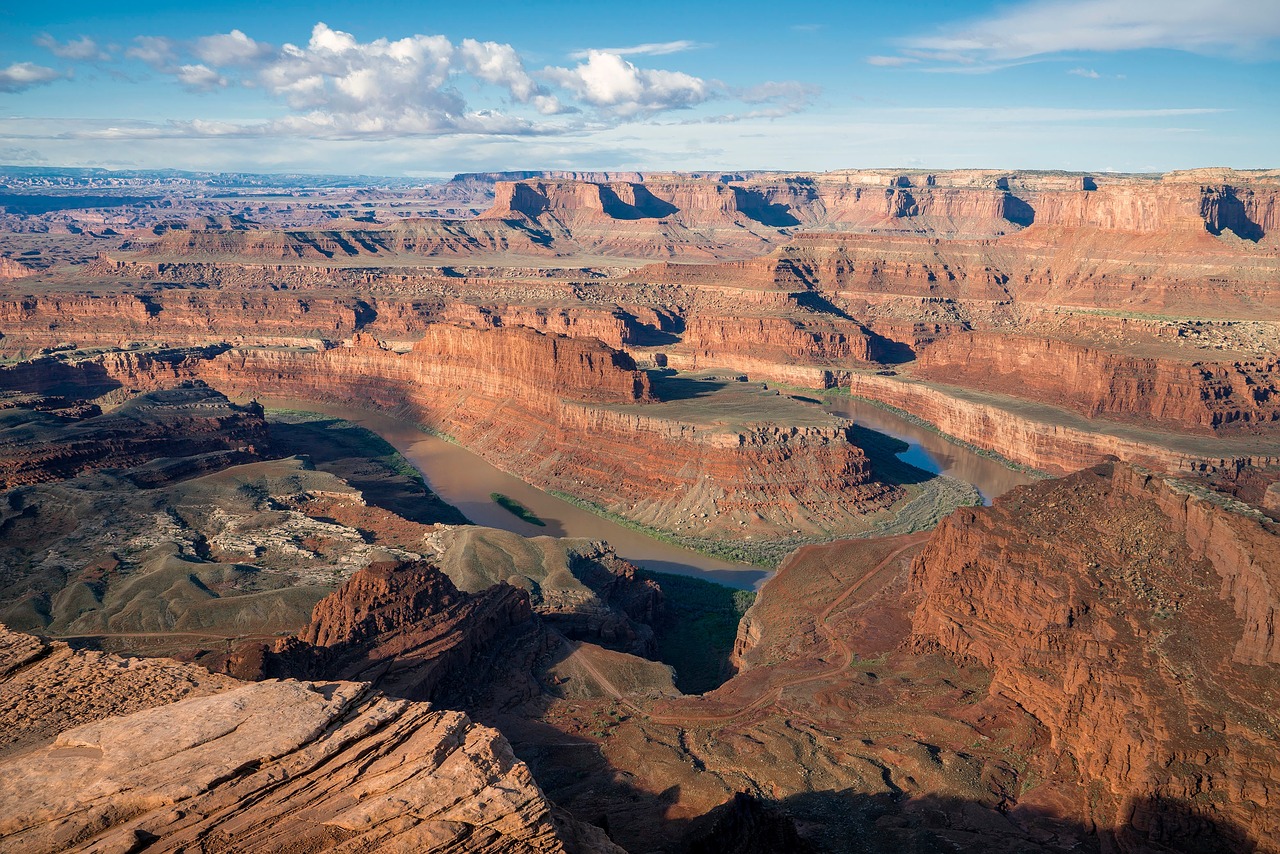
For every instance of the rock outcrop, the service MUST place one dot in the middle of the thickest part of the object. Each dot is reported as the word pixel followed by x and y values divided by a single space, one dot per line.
pixel 297 765
pixel 1177 394
pixel 1132 616
pixel 41 446
pixel 404 627
pixel 580 587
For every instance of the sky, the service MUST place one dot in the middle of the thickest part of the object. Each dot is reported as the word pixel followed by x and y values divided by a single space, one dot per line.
pixel 430 89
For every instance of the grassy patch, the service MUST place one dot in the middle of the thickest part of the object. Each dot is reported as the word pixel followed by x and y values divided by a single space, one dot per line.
pixel 515 508
pixel 766 554
pixel 698 629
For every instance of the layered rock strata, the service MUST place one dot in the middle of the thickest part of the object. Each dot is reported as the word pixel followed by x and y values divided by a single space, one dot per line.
pixel 1131 615
pixel 1189 394
pixel 321 766
pixel 524 400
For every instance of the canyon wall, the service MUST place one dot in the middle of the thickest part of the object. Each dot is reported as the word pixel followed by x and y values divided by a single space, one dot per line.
pixel 527 402
pixel 1133 620
pixel 1039 444
pixel 954 205
pixel 1177 394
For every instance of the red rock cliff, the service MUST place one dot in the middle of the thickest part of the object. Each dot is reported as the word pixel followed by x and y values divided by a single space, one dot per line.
pixel 1134 620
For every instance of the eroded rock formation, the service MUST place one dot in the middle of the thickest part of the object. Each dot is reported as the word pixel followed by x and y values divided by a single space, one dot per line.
pixel 1131 616
pixel 321 766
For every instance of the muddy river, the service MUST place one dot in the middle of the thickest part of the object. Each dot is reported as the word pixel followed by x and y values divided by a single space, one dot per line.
pixel 466 481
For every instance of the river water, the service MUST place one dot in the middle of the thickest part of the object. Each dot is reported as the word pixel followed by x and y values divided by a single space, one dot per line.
pixel 929 451
pixel 466 481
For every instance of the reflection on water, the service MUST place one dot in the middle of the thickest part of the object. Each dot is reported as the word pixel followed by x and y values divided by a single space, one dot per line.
pixel 466 481
pixel 929 451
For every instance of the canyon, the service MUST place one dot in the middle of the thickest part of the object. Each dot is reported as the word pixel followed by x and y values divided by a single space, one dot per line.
pixel 191 539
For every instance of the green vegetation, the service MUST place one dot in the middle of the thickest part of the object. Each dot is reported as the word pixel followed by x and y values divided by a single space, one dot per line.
pixel 766 554
pixel 515 508
pixel 698 629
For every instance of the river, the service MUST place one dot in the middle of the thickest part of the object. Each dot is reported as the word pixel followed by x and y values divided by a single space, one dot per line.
pixel 466 481
pixel 928 450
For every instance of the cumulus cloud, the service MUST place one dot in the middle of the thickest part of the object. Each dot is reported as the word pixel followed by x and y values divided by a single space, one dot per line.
pixel 338 86
pixel 83 49
pixel 24 75
pixel 1236 27
pixel 233 48
pixel 611 83
pixel 200 78
pixel 499 64
pixel 1085 72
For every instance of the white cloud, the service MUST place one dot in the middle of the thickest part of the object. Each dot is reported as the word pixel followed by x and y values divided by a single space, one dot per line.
pixel 1239 27
pixel 83 49
pixel 24 75
pixel 200 78
pixel 337 86
pixel 233 48
pixel 646 49
pixel 336 74
pixel 1085 72
pixel 157 51
pixel 890 61
pixel 611 83
pixel 499 64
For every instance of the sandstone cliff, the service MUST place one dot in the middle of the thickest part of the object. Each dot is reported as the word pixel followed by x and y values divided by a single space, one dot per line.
pixel 1132 618
pixel 525 400
pixel 297 765
pixel 1180 394
pixel 404 627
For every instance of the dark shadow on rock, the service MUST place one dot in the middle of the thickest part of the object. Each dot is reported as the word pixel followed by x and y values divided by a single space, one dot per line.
pixel 647 205
pixel 83 380
pixel 886 351
pixel 883 449
pixel 815 301
pixel 745 825
pixel 667 386
pixel 363 459
pixel 1017 211
pixel 1232 216
pixel 667 330
pixel 753 205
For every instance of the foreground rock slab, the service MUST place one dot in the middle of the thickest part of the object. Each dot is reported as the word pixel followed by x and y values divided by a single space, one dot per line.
pixel 272 766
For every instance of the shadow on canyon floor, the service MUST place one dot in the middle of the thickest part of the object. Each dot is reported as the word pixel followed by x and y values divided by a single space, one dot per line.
pixel 883 449
pixel 577 776
pixel 666 386
pixel 367 462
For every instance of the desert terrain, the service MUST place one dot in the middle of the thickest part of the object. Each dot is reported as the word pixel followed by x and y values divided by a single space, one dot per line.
pixel 849 511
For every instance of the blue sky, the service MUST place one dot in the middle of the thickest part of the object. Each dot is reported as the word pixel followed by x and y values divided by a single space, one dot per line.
pixel 432 88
